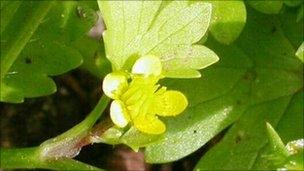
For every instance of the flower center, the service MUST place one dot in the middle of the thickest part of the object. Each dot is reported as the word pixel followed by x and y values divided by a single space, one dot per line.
pixel 138 98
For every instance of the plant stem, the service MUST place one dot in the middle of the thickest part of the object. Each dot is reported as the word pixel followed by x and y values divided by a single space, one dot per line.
pixel 29 158
pixel 18 158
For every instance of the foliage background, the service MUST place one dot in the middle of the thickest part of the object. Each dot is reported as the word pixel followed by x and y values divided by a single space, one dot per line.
pixel 257 79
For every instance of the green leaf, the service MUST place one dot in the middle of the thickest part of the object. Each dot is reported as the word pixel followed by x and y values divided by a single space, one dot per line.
pixel 228 20
pixel 241 145
pixel 244 83
pixel 37 45
pixel 267 6
pixel 279 152
pixel 165 30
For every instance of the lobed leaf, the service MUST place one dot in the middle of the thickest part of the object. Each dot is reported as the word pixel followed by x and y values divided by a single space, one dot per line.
pixel 155 28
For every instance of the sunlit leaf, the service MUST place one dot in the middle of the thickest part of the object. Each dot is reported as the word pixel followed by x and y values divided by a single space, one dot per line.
pixel 164 29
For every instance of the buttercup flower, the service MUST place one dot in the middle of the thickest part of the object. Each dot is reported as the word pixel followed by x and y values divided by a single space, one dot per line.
pixel 139 100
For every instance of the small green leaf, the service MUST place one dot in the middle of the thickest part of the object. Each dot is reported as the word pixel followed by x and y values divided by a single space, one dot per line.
pixel 228 20
pixel 267 6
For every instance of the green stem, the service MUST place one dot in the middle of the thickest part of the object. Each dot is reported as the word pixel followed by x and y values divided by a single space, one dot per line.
pixel 29 158
pixel 56 152
pixel 9 56
pixel 18 158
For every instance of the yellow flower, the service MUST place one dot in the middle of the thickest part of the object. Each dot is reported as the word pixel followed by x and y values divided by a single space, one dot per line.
pixel 139 100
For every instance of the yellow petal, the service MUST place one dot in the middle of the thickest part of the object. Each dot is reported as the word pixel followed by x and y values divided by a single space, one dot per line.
pixel 149 124
pixel 119 114
pixel 114 84
pixel 147 65
pixel 170 103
